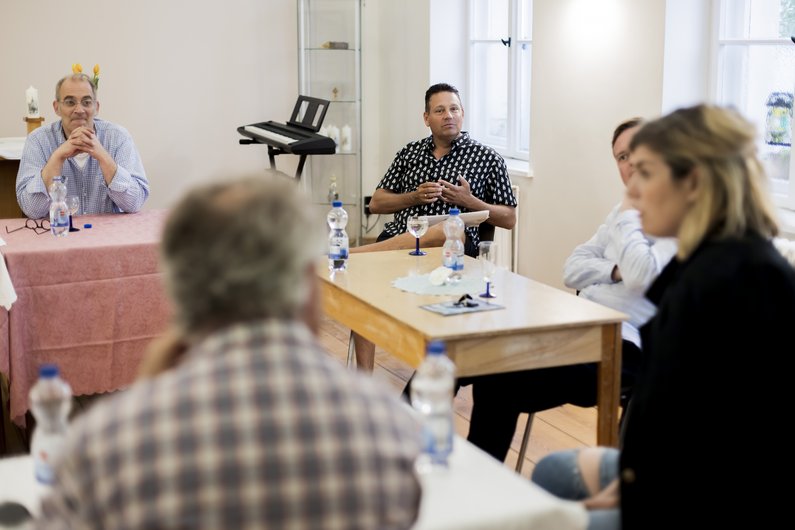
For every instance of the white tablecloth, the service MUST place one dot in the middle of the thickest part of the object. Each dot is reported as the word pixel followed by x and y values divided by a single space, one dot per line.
pixel 479 492
pixel 7 293
pixel 476 493
pixel 11 148
pixel 18 484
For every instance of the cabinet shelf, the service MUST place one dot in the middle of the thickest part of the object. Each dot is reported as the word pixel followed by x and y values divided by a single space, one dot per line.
pixel 333 74
pixel 331 50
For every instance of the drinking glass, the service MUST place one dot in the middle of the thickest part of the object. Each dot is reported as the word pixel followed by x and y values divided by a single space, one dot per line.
pixel 487 255
pixel 73 203
pixel 417 226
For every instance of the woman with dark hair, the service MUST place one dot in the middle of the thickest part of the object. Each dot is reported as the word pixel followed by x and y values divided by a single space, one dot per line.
pixel 713 354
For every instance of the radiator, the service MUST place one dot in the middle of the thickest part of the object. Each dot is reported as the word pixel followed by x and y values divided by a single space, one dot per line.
pixel 508 241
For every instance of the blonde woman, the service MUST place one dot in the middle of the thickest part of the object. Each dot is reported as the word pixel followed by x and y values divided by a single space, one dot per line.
pixel 714 354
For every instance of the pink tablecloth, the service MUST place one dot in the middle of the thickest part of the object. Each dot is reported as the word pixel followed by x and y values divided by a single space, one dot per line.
pixel 89 302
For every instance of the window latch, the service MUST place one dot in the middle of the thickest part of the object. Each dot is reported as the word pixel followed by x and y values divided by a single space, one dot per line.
pixel 506 43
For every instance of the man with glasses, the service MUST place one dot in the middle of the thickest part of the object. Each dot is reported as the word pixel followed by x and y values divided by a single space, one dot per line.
pixel 98 159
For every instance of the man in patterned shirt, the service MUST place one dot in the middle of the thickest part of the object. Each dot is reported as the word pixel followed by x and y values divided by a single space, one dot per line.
pixel 430 176
pixel 446 169
pixel 251 424
pixel 97 158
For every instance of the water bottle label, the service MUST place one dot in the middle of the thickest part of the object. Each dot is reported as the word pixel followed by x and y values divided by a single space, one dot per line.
pixel 59 218
pixel 448 259
pixel 437 437
pixel 42 468
pixel 338 252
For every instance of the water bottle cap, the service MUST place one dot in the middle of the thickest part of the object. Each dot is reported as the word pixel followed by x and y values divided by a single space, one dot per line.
pixel 87 225
pixel 454 211
pixel 336 204
pixel 48 371
pixel 435 347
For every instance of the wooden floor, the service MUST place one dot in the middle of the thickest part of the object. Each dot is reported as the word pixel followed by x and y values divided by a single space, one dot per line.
pixel 561 428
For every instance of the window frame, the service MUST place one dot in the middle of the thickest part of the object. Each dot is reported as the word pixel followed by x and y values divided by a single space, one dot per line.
pixel 783 200
pixel 513 149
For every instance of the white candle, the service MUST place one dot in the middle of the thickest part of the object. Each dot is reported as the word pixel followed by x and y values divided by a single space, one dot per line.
pixel 32 97
pixel 345 139
pixel 334 134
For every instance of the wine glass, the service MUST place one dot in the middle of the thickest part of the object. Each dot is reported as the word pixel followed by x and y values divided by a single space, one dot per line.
pixel 487 254
pixel 417 226
pixel 73 203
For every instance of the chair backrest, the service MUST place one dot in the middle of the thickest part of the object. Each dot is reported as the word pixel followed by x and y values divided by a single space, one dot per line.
pixel 486 231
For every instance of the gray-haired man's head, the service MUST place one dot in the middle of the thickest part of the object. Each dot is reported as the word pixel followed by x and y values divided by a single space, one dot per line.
pixel 240 251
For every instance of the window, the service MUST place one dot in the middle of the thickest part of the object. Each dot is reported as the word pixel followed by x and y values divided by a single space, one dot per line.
pixel 499 84
pixel 756 74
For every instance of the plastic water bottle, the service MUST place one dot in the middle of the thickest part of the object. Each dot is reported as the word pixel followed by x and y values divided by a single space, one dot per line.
pixel 453 249
pixel 50 402
pixel 337 238
pixel 59 211
pixel 432 395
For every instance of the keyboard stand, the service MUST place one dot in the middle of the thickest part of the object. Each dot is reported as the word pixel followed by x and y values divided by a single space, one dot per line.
pixel 273 152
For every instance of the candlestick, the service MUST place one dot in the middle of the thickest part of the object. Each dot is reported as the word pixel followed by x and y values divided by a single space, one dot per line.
pixel 32 98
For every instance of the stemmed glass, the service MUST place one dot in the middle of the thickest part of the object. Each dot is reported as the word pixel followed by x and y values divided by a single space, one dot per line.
pixel 487 254
pixel 73 203
pixel 417 226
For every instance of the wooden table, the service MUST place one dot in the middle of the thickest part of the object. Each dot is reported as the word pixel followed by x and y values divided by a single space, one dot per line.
pixel 539 327
pixel 90 302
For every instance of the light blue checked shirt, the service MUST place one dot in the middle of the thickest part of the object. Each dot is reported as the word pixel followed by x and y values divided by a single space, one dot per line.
pixel 127 191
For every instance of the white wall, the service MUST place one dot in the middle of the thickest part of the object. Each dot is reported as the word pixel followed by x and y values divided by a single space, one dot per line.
pixel 687 53
pixel 181 75
pixel 404 70
pixel 450 49
pixel 594 65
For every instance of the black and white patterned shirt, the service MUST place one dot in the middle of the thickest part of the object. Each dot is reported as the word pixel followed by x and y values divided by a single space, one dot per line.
pixel 482 166
pixel 257 428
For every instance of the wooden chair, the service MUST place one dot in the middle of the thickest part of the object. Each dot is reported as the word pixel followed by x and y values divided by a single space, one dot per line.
pixel 626 394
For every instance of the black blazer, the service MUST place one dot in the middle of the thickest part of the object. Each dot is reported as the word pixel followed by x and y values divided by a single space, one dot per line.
pixel 715 379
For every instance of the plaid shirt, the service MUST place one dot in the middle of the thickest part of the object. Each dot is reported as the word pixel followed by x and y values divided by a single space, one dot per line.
pixel 126 193
pixel 257 428
pixel 480 165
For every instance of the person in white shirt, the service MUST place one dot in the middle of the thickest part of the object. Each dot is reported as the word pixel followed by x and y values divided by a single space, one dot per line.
pixel 613 268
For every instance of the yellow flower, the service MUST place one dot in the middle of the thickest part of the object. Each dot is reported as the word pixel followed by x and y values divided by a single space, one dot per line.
pixel 95 80
pixel 77 68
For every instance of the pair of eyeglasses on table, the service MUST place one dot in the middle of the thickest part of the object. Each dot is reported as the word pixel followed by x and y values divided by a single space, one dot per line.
pixel 40 226
pixel 465 301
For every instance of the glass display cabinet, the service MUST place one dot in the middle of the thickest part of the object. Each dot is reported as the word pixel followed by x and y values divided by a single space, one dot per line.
pixel 329 67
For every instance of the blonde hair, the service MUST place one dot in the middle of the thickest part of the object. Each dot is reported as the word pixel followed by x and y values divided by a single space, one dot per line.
pixel 718 144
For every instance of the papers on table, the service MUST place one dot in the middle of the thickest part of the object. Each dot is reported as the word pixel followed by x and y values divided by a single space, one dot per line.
pixel 11 148
pixel 469 218
pixel 454 308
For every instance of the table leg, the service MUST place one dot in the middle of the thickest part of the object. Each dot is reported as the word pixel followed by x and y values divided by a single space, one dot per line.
pixel 609 386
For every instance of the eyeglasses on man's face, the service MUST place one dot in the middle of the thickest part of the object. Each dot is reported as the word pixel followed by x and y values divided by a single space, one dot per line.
pixel 40 226
pixel 70 102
